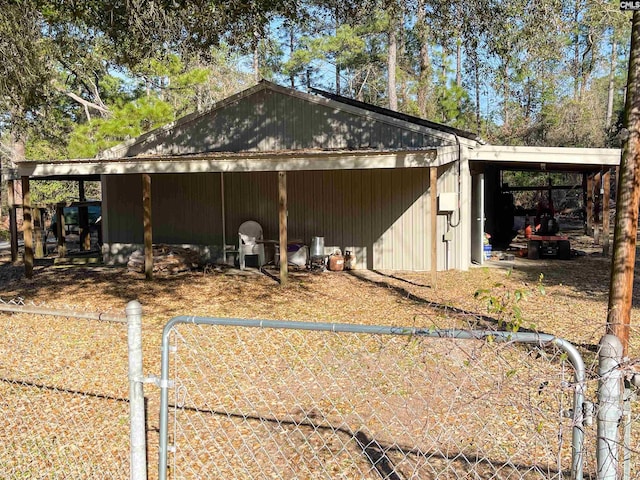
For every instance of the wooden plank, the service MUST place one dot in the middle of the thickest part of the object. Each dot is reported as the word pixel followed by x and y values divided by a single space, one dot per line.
pixel 13 221
pixel 606 197
pixel 146 221
pixel 282 221
pixel 433 189
pixel 27 228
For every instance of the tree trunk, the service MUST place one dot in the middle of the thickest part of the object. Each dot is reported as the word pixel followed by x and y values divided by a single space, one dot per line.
pixel 459 62
pixel 292 77
pixel 476 79
pixel 576 51
pixel 256 59
pixel 628 200
pixel 425 61
pixel 18 149
pixel 611 88
pixel 506 93
pixel 391 66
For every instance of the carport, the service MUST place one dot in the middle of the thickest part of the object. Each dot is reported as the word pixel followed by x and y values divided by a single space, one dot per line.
pixel 596 165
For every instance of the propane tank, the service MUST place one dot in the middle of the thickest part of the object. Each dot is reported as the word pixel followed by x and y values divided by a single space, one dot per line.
pixel 336 261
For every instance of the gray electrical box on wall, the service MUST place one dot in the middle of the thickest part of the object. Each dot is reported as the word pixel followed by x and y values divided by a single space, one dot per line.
pixel 447 202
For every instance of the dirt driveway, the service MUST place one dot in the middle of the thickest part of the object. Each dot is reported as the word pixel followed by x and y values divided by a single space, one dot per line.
pixel 573 305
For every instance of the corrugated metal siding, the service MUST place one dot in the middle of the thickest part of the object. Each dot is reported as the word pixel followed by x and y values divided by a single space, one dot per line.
pixel 186 203
pixel 124 208
pixel 272 121
pixel 460 247
pixel 382 215
pixel 251 196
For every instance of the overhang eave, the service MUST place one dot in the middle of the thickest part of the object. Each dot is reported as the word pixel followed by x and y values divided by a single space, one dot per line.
pixel 241 162
pixel 546 158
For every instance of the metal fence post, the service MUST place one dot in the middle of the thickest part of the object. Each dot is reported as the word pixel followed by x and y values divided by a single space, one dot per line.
pixel 138 447
pixel 626 411
pixel 609 406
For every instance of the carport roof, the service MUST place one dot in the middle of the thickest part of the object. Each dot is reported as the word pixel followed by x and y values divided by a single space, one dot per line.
pixel 546 158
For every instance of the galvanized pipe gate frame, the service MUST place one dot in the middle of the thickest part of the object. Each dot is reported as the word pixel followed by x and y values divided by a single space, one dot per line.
pixel 578 413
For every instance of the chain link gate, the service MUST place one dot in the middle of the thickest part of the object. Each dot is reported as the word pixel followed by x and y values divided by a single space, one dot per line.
pixel 273 399
pixel 71 404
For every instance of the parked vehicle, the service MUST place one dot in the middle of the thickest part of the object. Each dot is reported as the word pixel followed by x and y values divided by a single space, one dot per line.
pixel 72 220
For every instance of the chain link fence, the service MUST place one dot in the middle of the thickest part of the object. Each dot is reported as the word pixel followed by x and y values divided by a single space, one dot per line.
pixel 63 393
pixel 372 402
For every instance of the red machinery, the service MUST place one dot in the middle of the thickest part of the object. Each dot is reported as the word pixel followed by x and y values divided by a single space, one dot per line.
pixel 546 242
pixel 549 246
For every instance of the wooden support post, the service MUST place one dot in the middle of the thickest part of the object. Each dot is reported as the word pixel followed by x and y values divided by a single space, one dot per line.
pixel 13 220
pixel 606 222
pixel 81 193
pixel 85 234
pixel 148 237
pixel 37 233
pixel 27 228
pixel 282 220
pixel 61 231
pixel 597 204
pixel 584 201
pixel 589 206
pixel 433 189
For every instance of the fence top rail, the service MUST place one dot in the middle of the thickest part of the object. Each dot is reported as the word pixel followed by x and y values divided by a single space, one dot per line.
pixel 35 310
pixel 498 336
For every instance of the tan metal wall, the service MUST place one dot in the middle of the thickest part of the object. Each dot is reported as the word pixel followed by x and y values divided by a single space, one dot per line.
pixel 382 215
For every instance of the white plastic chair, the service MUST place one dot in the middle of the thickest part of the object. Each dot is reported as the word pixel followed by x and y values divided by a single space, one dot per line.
pixel 248 235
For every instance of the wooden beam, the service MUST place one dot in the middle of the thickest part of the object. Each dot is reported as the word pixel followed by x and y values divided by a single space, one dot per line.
pixel 589 206
pixel 27 228
pixel 282 220
pixel 606 197
pixel 146 221
pixel 433 189
pixel 61 230
pixel 544 188
pixel 13 221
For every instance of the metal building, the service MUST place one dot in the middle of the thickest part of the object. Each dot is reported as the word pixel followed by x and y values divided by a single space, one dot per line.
pixel 358 175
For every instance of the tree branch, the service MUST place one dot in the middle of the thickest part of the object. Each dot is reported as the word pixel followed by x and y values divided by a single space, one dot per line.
pixel 87 104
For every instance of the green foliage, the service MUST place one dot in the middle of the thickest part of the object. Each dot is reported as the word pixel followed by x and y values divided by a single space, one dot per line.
pixel 131 120
pixel 503 302
pixel 73 81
